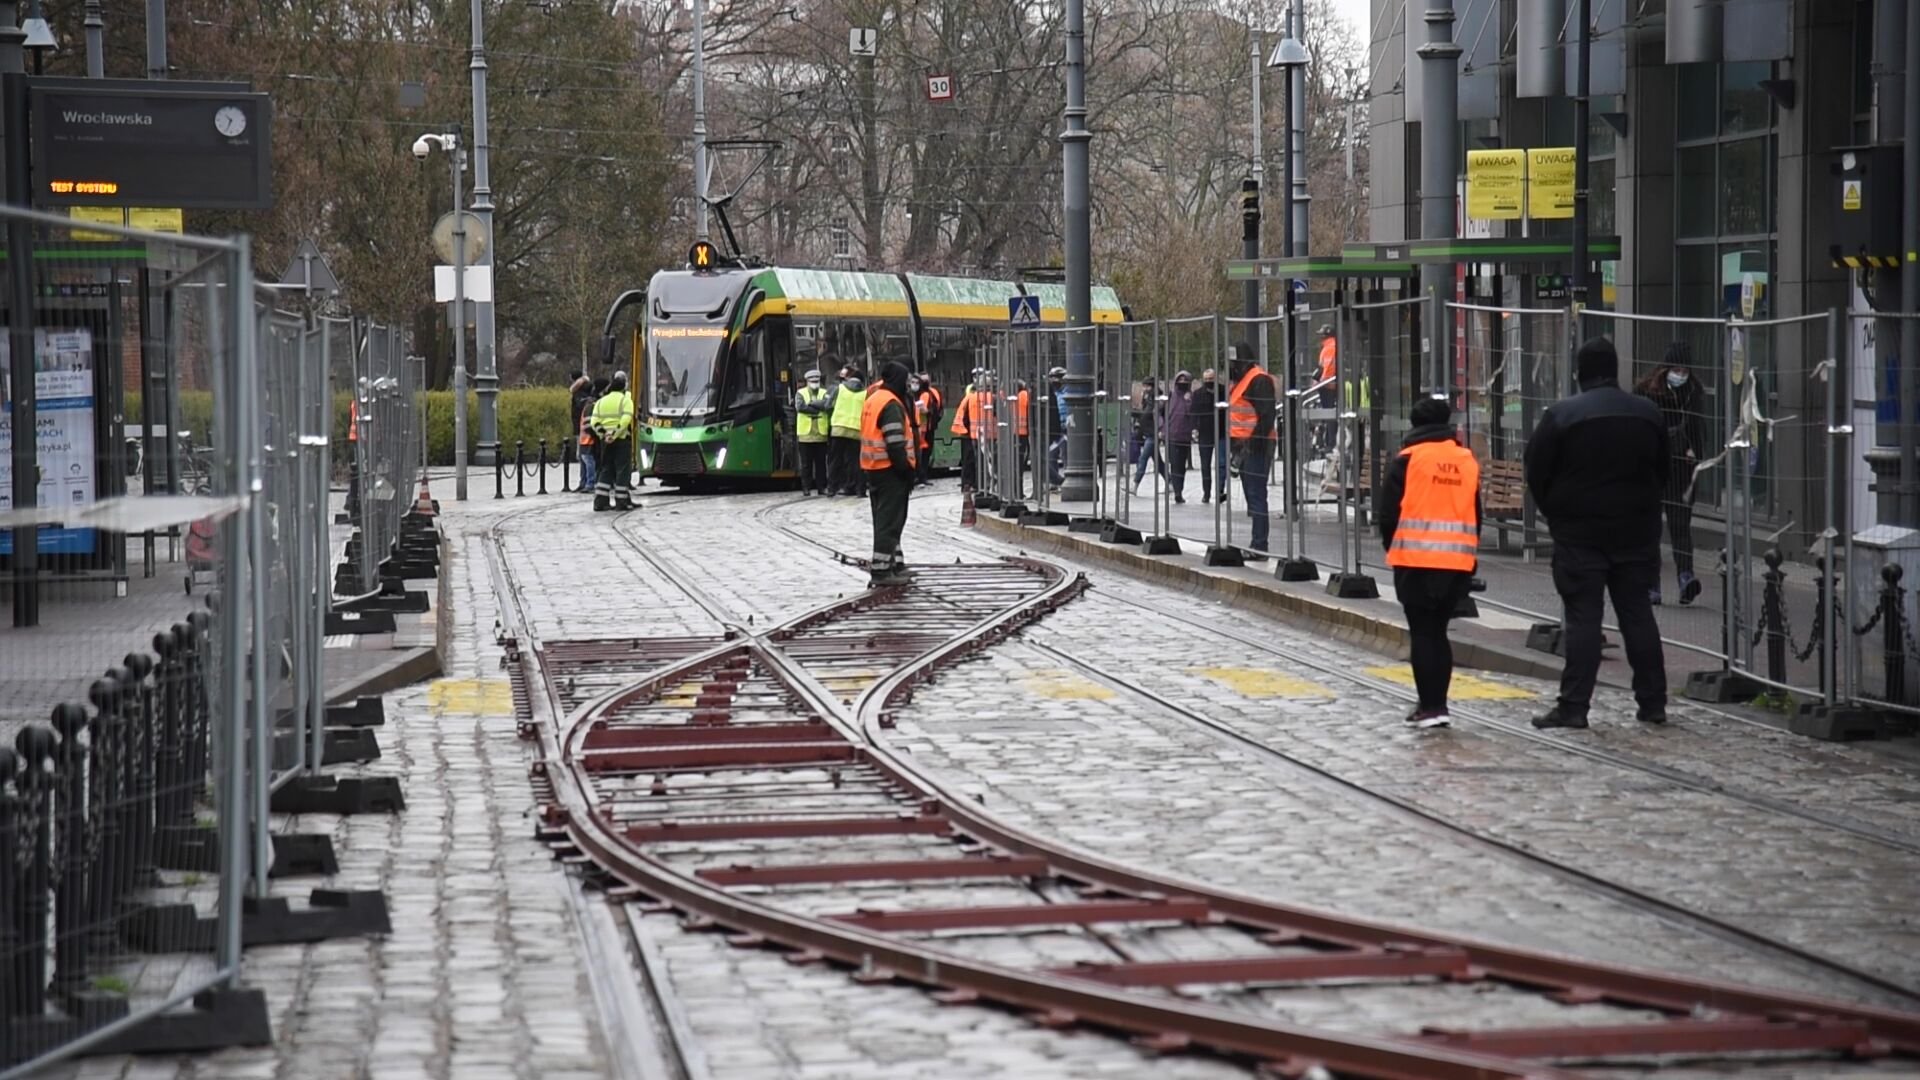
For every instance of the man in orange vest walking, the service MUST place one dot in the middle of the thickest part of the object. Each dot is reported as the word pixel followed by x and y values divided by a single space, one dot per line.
pixel 1428 507
pixel 888 444
pixel 1250 429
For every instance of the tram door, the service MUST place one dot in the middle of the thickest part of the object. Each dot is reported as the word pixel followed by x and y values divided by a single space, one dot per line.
pixel 786 383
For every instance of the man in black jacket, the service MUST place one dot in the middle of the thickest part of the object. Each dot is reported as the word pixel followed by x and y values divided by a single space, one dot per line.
pixel 1596 466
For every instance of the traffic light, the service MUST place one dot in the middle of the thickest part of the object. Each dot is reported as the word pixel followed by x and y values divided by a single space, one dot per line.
pixel 702 256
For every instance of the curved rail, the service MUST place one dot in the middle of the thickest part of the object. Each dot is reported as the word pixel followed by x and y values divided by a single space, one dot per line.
pixel 1083 995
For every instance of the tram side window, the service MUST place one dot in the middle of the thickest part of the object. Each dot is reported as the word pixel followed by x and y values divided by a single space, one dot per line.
pixel 953 352
pixel 749 368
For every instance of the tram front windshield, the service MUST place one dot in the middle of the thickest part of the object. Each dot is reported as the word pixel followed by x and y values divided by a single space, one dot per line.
pixel 686 339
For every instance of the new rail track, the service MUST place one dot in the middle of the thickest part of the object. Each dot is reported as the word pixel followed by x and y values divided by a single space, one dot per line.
pixel 1907 842
pixel 1772 946
pixel 768 741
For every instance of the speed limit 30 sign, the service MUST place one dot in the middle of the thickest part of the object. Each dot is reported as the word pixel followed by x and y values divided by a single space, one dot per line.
pixel 939 88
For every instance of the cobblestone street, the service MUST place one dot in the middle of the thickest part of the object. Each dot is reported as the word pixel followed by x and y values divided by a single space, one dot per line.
pixel 1139 723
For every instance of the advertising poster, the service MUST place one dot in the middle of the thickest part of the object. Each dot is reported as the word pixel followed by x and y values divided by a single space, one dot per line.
pixel 63 386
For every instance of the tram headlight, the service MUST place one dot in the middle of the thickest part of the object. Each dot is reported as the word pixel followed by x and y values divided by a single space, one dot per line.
pixel 646 459
pixel 720 458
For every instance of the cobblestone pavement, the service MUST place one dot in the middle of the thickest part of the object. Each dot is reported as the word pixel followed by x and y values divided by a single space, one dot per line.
pixel 1043 742
pixel 483 975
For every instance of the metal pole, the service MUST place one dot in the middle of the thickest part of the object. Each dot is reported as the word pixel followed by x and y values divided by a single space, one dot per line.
pixel 1910 284
pixel 486 370
pixel 96 51
pixel 700 118
pixel 1582 103
pixel 1079 257
pixel 1297 141
pixel 237 560
pixel 156 39
pixel 1250 191
pixel 25 452
pixel 1439 150
pixel 1890 85
pixel 1836 456
pixel 457 319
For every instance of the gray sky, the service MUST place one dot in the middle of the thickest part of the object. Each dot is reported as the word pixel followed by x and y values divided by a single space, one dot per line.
pixel 1356 13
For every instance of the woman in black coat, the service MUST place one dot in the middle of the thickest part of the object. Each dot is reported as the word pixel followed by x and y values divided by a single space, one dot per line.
pixel 1672 387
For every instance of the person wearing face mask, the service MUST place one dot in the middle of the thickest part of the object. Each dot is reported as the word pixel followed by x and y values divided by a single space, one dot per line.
pixel 812 414
pixel 1206 435
pixel 1180 433
pixel 1673 389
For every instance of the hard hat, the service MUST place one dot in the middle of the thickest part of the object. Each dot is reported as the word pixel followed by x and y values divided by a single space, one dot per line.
pixel 1057 373
pixel 619 378
pixel 811 375
pixel 1326 330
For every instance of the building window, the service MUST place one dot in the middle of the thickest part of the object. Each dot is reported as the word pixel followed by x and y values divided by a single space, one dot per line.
pixel 842 239
pixel 842 150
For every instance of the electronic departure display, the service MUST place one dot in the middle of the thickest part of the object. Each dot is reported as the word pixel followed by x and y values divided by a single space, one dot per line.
pixel 112 144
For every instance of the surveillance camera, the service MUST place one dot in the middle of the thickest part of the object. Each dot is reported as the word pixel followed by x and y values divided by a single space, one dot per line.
pixel 421 148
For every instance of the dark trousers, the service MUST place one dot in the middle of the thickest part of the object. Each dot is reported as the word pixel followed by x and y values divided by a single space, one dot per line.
pixel 1583 576
pixel 844 468
pixel 1179 459
pixel 923 469
pixel 1429 598
pixel 1254 469
pixel 1213 471
pixel 1678 504
pixel 969 463
pixel 813 466
pixel 887 494
pixel 615 480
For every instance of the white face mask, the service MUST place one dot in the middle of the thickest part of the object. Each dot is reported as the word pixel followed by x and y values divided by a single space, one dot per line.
pixel 1676 379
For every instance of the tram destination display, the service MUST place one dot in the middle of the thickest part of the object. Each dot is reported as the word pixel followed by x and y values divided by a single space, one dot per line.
pixel 204 147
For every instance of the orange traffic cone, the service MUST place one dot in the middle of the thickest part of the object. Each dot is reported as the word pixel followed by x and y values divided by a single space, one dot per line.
pixel 423 505
pixel 967 513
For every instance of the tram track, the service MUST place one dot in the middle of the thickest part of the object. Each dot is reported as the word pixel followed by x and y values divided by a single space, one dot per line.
pixel 777 700
pixel 1906 842
pixel 1770 946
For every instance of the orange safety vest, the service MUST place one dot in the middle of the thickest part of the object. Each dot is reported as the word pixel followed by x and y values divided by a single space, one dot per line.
pixel 1021 401
pixel 925 405
pixel 964 417
pixel 1242 418
pixel 1329 357
pixel 983 408
pixel 873 442
pixel 1439 526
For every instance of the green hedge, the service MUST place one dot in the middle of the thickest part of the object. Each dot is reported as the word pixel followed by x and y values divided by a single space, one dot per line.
pixel 530 414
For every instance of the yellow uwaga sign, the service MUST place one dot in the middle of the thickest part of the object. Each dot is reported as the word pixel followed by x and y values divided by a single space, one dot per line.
pixel 1550 182
pixel 1496 183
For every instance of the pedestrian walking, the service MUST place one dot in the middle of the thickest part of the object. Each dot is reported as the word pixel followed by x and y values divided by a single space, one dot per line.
pixel 929 406
pixel 887 458
pixel 1057 451
pixel 1428 509
pixel 1597 467
pixel 1676 393
pixel 1250 431
pixel 582 399
pixel 1143 448
pixel 1179 433
pixel 811 416
pixel 613 417
pixel 1206 436
pixel 843 432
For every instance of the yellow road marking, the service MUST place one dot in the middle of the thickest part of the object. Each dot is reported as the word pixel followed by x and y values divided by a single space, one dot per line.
pixel 1464 688
pixel 1065 686
pixel 1262 683
pixel 476 697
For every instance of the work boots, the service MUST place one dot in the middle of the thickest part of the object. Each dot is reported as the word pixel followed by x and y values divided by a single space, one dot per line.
pixel 602 502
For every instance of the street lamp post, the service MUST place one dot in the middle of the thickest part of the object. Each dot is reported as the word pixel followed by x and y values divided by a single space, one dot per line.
pixel 457 316
pixel 486 364
pixel 1292 58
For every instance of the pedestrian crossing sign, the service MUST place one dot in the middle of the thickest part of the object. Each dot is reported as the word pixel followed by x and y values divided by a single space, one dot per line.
pixel 1023 312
